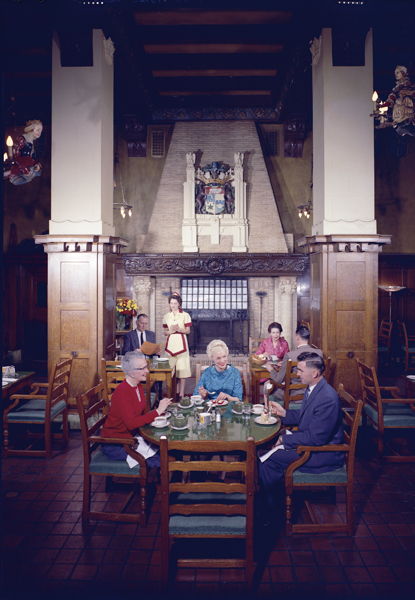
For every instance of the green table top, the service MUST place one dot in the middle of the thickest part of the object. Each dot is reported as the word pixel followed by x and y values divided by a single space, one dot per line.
pixel 231 429
pixel 19 376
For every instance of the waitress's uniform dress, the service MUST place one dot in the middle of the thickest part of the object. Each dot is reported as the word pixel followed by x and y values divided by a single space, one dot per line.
pixel 176 346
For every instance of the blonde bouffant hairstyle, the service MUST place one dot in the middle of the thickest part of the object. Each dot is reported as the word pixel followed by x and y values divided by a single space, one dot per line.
pixel 216 346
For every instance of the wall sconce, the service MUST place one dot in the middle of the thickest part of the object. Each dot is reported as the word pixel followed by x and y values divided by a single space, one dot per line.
pixel 125 209
pixel 304 210
pixel 9 144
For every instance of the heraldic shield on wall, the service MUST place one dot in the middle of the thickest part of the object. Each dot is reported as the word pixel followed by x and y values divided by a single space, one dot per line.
pixel 214 192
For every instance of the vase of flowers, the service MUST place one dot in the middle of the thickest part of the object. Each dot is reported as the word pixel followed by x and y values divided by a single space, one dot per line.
pixel 125 311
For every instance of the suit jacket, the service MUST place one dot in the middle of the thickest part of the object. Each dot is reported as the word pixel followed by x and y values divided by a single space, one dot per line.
pixel 131 341
pixel 319 422
pixel 279 376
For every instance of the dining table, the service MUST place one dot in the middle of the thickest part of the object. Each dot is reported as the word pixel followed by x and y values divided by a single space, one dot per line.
pixel 232 427
pixel 12 385
pixel 258 372
pixel 155 374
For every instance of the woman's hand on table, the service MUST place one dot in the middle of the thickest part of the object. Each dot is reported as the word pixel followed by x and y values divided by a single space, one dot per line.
pixel 223 396
pixel 203 392
pixel 163 404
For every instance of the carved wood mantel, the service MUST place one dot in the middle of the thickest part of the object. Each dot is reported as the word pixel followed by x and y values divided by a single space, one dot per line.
pixel 195 264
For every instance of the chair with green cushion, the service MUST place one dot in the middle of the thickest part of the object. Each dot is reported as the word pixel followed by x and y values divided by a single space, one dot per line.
pixel 96 463
pixel 207 509
pixel 342 477
pixel 395 414
pixel 384 341
pixel 40 411
pixel 407 345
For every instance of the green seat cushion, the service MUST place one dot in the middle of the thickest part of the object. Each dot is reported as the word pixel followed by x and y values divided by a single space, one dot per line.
pixel 207 525
pixel 394 415
pixel 34 411
pixel 336 476
pixel 291 406
pixel 101 465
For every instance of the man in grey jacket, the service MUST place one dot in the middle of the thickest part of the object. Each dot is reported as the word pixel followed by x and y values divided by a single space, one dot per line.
pixel 302 343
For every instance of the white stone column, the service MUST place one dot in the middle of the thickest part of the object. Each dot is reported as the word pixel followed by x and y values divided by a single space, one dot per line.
pixel 189 226
pixel 287 289
pixel 343 149
pixel 142 292
pixel 82 143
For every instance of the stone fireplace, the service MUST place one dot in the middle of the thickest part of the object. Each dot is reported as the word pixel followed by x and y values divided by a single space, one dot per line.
pixel 246 242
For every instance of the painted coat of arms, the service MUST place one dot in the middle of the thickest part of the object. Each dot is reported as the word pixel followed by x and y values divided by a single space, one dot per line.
pixel 214 192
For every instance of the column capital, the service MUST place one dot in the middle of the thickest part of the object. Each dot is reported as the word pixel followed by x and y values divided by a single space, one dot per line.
pixel 81 243
pixel 344 243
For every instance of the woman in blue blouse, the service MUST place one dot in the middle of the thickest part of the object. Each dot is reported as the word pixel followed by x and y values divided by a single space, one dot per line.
pixel 222 380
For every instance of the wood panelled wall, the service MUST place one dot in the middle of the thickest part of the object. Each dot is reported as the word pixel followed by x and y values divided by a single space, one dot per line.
pixel 398 269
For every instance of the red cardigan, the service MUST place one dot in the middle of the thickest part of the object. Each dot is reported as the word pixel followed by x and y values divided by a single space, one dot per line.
pixel 127 412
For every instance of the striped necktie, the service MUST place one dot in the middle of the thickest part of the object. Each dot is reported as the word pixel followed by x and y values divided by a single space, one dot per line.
pixel 306 394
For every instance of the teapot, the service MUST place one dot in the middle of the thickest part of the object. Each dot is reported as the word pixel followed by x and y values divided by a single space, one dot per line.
pixel 178 420
pixel 237 407
pixel 185 401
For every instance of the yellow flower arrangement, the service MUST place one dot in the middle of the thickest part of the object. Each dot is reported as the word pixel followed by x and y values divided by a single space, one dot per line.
pixel 126 307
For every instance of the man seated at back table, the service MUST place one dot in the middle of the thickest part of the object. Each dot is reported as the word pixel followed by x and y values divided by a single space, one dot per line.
pixel 319 422
pixel 133 340
pixel 302 344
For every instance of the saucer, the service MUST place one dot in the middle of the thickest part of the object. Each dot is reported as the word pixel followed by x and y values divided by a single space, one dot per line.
pixel 159 426
pixel 237 413
pixel 179 428
pixel 186 407
pixel 257 413
pixel 199 402
pixel 272 421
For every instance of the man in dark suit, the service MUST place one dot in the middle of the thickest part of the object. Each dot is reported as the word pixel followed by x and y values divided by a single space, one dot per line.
pixel 319 422
pixel 134 339
pixel 302 343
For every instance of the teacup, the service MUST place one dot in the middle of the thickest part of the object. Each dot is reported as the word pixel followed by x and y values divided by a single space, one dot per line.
pixel 200 409
pixel 274 358
pixel 257 409
pixel 179 420
pixel 160 422
pixel 185 401
pixel 197 400
pixel 238 406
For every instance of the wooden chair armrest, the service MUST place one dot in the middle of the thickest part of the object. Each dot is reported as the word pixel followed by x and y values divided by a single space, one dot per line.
pixel 398 400
pixel 39 385
pixel 98 439
pixel 388 389
pixel 28 397
pixel 138 457
pixel 326 448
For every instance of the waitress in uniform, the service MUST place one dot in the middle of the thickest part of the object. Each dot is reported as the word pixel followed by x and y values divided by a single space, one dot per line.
pixel 176 326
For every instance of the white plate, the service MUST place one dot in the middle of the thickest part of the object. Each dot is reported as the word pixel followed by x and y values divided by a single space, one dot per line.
pixel 179 428
pixel 214 403
pixel 159 426
pixel 186 407
pixel 199 402
pixel 272 421
pixel 258 413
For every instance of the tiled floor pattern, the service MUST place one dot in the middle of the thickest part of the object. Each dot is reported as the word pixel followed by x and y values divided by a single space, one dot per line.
pixel 48 553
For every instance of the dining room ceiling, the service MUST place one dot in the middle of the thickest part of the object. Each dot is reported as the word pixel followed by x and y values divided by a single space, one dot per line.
pixel 190 55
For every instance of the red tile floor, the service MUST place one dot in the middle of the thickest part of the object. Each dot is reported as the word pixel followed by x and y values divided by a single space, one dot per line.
pixel 47 553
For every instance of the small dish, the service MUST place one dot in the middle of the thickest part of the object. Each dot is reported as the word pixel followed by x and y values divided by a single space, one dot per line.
pixel 153 424
pixel 239 414
pixel 217 403
pixel 186 407
pixel 179 428
pixel 272 421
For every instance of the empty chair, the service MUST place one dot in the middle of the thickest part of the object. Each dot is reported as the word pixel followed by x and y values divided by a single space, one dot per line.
pixel 407 345
pixel 342 477
pixel 394 413
pixel 207 509
pixel 42 410
pixel 384 341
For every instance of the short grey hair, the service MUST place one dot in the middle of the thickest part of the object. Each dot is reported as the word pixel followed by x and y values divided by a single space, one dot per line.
pixel 129 359
pixel 216 346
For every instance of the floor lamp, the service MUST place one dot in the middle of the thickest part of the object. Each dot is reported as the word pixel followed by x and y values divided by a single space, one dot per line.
pixel 391 289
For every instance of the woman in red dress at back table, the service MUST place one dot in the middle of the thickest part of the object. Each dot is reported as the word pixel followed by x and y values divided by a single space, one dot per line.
pixel 275 345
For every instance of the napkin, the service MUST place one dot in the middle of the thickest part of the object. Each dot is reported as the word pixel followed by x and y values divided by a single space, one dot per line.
pixel 270 452
pixel 144 448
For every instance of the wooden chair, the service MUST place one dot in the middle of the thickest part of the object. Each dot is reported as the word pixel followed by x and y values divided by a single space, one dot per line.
pixel 96 463
pixel 207 509
pixel 408 345
pixel 243 371
pixel 293 401
pixel 254 344
pixel 393 413
pixel 384 340
pixel 342 477
pixel 40 410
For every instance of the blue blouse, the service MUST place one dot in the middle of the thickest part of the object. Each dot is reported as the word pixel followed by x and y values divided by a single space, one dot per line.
pixel 228 381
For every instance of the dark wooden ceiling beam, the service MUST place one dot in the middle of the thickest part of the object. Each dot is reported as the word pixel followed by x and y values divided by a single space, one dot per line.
pixel 214 72
pixel 219 83
pixel 213 17
pixel 213 48
pixel 215 93
pixel 221 61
